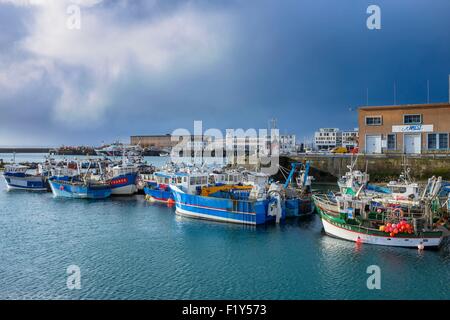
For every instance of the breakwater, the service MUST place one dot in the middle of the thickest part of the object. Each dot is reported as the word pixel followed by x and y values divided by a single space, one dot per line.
pixel 382 168
pixel 24 150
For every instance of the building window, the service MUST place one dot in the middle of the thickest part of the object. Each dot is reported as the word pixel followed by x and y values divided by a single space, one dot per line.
pixel 443 141
pixel 432 145
pixel 412 119
pixel 373 121
pixel 391 142
pixel 437 141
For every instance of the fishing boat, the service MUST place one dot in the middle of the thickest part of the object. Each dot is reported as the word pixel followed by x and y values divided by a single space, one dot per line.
pixel 243 204
pixel 369 220
pixel 70 182
pixel 404 188
pixel 158 185
pixel 158 188
pixel 118 149
pixel 17 178
pixel 80 189
pixel 297 195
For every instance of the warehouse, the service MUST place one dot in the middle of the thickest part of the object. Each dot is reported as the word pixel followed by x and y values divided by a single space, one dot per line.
pixel 157 141
pixel 168 141
pixel 408 129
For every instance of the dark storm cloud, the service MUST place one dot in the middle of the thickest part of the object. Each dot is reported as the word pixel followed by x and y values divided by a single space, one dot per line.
pixel 304 62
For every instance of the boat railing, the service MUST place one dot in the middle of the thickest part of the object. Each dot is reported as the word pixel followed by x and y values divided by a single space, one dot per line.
pixel 324 198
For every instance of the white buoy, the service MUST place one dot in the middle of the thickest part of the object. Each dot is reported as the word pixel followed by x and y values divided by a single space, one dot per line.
pixel 420 246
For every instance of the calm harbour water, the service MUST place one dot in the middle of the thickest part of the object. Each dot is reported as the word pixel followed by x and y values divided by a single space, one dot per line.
pixel 127 248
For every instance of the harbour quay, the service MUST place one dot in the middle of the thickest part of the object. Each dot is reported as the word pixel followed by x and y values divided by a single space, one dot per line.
pixel 381 167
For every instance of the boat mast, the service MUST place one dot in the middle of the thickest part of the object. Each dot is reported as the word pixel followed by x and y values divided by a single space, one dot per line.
pixel 87 171
pixel 100 168
pixel 78 168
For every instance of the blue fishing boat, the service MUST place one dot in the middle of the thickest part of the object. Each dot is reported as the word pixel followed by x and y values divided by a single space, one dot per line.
pixel 297 195
pixel 79 189
pixel 241 204
pixel 158 189
pixel 17 178
pixel 158 193
pixel 72 182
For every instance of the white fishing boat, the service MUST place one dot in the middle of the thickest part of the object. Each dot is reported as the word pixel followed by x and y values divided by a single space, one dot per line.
pixel 17 177
pixel 366 220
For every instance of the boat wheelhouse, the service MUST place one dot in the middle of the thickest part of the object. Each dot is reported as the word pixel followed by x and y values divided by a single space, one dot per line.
pixel 404 188
pixel 226 177
pixel 403 191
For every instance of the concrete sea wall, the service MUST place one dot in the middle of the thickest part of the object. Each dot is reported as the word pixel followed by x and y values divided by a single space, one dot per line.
pixel 382 168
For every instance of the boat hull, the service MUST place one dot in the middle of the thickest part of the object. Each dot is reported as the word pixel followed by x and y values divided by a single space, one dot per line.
pixel 27 183
pixel 127 190
pixel 298 207
pixel 158 195
pixel 124 184
pixel 68 190
pixel 222 209
pixel 343 233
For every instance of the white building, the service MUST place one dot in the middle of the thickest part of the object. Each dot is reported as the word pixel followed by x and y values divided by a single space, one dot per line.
pixel 251 143
pixel 329 138
pixel 350 138
pixel 287 143
pixel 325 138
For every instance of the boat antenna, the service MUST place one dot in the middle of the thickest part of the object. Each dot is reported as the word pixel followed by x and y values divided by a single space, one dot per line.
pixel 354 162
pixel 78 167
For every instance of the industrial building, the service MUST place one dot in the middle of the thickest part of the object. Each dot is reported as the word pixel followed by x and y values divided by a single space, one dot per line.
pixel 167 141
pixel 408 129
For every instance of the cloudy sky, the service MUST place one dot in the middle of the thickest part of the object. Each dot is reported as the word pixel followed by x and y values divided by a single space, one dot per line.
pixel 151 66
